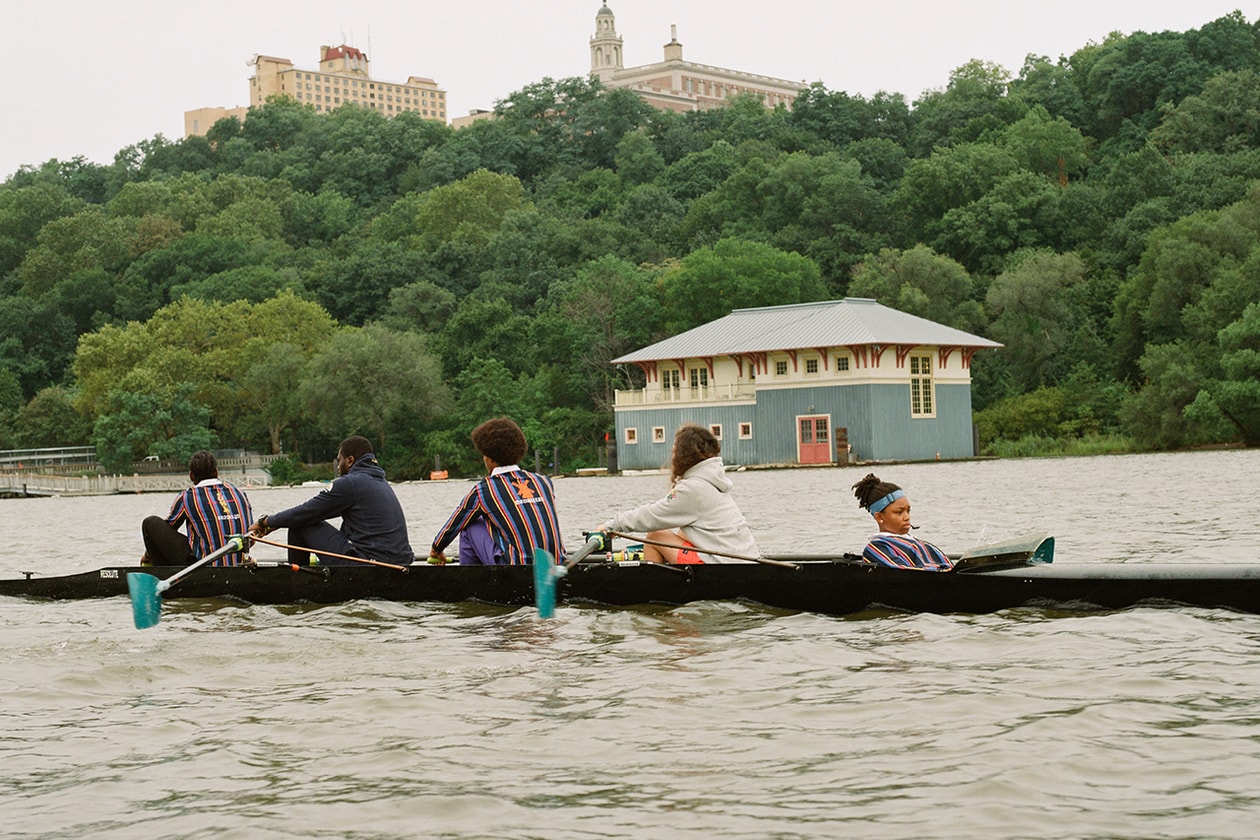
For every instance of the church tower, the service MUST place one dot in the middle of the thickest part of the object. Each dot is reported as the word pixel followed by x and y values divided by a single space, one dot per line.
pixel 605 46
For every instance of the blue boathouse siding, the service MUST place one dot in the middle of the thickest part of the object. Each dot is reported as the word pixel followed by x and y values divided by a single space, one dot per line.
pixel 876 417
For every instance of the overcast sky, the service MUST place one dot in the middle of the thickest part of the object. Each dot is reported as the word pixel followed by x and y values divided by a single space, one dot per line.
pixel 89 78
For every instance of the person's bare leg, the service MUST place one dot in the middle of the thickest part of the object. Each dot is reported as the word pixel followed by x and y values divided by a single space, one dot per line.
pixel 662 553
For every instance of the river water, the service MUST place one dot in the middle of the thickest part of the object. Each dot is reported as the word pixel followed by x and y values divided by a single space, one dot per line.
pixel 392 720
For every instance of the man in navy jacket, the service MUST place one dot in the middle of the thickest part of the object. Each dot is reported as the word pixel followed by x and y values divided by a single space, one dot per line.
pixel 372 523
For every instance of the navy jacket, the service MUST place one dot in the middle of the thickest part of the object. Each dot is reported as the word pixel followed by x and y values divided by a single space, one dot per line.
pixel 371 517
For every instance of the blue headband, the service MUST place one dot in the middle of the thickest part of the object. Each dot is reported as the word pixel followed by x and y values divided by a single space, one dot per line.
pixel 880 504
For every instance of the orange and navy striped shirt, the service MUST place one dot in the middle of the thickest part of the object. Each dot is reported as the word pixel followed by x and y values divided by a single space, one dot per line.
pixel 520 511
pixel 214 511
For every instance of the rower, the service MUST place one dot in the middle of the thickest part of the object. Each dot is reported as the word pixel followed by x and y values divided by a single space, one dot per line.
pixel 211 511
pixel 373 526
pixel 698 512
pixel 893 545
pixel 506 515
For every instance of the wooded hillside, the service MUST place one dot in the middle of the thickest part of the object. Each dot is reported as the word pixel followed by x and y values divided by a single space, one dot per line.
pixel 288 280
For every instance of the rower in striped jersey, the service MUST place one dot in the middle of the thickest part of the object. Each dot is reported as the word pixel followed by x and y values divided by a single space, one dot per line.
pixel 893 545
pixel 210 511
pixel 509 513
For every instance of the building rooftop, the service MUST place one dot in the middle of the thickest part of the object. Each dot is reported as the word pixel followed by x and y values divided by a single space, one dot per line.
pixel 833 323
pixel 342 51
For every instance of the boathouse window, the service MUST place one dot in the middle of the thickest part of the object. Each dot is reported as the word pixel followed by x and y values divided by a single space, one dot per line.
pixel 745 431
pixel 698 378
pixel 632 435
pixel 811 366
pixel 842 363
pixel 716 428
pixel 780 368
pixel 658 434
pixel 671 379
pixel 922 403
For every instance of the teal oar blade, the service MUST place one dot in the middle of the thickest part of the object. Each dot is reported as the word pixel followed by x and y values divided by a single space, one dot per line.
pixel 146 604
pixel 146 590
pixel 544 583
pixel 1021 551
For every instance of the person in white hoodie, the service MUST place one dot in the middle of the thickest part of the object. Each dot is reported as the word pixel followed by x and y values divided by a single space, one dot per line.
pixel 699 512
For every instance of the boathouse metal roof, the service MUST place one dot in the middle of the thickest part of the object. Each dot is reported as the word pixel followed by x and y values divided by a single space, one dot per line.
pixel 834 323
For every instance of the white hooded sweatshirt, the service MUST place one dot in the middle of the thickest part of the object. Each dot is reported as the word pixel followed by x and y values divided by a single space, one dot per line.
pixel 701 508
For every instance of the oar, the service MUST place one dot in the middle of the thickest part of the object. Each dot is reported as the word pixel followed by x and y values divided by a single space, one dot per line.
pixel 700 550
pixel 546 573
pixel 1026 550
pixel 146 589
pixel 331 554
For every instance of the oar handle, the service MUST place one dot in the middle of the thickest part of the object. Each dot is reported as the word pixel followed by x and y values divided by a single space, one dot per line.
pixel 700 550
pixel 233 544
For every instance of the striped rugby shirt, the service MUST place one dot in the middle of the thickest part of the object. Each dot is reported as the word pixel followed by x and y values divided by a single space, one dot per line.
pixel 214 511
pixel 520 510
pixel 906 552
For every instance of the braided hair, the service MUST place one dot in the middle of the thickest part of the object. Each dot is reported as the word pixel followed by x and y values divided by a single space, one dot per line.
pixel 870 490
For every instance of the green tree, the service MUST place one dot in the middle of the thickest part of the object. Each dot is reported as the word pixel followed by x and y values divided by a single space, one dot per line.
pixel 11 401
pixel 637 160
pixel 36 341
pixel 145 286
pixel 610 308
pixel 24 210
pixel 136 424
pixel 974 100
pixel 700 172
pixel 1155 416
pixel 421 306
pixel 271 384
pixel 1048 146
pixel 1039 313
pixel 373 380
pixel 1225 117
pixel 470 210
pixel 734 274
pixel 355 286
pixel 50 419
pixel 1235 395
pixel 1050 85
pixel 921 282
pixel 87 240
pixel 949 178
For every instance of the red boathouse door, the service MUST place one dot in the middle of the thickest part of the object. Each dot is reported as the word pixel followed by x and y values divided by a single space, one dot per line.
pixel 813 439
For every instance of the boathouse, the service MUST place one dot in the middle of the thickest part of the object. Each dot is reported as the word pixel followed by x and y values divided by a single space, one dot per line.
pixel 809 383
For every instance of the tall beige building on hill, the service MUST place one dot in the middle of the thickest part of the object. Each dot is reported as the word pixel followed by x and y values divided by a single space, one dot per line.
pixel 343 76
pixel 674 84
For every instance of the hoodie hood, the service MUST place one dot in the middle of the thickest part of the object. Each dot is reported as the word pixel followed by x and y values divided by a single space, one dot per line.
pixel 713 471
pixel 366 465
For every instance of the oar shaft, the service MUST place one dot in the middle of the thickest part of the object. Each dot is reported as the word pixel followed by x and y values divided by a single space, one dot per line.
pixel 330 554
pixel 234 543
pixel 700 550
pixel 593 542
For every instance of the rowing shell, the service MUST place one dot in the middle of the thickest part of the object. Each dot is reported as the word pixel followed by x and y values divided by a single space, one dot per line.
pixel 823 585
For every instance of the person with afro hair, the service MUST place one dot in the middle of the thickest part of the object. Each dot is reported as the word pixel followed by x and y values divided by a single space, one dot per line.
pixel 509 513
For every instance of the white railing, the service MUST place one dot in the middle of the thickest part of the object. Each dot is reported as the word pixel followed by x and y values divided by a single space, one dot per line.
pixel 31 483
pixel 699 394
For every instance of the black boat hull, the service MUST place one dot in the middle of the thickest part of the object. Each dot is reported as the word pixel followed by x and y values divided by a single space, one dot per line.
pixel 834 587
